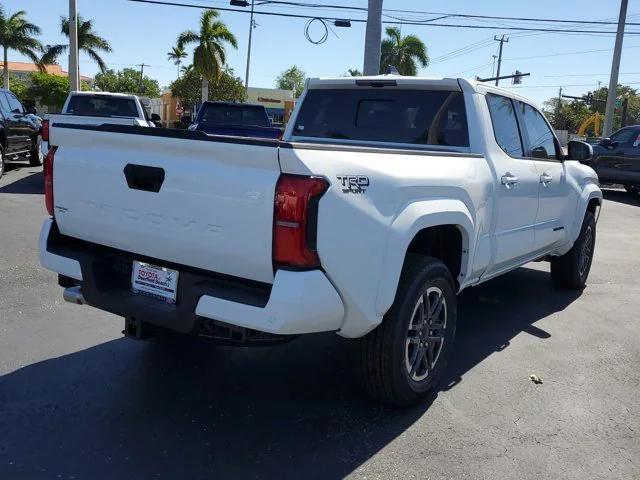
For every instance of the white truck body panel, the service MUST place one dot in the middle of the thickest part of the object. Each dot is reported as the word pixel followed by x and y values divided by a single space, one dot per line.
pixel 214 212
pixel 215 209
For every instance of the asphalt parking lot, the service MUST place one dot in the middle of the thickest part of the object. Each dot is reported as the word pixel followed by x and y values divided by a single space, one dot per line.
pixel 79 401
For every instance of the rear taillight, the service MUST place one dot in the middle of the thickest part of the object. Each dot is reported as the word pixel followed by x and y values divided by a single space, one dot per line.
pixel 48 179
pixel 44 132
pixel 295 221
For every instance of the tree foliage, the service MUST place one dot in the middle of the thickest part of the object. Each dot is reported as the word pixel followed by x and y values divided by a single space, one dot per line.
pixel 573 113
pixel 227 87
pixel 127 81
pixel 209 56
pixel 292 79
pixel 404 53
pixel 89 42
pixel 47 89
pixel 16 33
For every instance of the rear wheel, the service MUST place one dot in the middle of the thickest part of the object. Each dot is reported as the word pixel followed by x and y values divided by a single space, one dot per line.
pixel 635 189
pixel 35 158
pixel 402 360
pixel 572 269
pixel 2 161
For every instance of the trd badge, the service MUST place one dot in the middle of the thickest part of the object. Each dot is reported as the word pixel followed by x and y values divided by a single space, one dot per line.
pixel 353 183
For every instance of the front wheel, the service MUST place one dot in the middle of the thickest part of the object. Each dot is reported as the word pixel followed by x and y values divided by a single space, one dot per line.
pixel 572 269
pixel 401 361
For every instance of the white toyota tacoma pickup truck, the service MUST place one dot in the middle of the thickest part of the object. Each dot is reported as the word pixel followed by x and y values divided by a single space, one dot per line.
pixel 387 197
pixel 97 108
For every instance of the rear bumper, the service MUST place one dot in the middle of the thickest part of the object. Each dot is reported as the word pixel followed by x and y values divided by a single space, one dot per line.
pixel 296 302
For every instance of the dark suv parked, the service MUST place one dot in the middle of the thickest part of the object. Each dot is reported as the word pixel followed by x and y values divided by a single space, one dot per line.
pixel 19 131
pixel 617 159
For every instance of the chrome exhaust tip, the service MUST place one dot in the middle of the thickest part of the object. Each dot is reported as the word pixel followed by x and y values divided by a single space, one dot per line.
pixel 73 295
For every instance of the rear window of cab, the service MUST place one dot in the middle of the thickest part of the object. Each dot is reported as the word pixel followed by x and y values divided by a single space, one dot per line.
pixel 423 117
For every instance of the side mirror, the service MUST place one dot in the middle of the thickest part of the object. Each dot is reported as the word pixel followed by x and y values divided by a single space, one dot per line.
pixel 581 151
pixel 155 117
pixel 32 110
pixel 607 143
pixel 186 119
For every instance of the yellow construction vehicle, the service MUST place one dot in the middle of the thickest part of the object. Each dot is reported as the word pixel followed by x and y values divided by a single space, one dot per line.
pixel 595 120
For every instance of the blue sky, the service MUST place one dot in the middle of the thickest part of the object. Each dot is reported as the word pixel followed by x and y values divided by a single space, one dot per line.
pixel 145 33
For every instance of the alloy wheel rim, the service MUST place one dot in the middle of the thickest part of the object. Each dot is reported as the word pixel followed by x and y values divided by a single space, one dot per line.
pixel 586 251
pixel 426 332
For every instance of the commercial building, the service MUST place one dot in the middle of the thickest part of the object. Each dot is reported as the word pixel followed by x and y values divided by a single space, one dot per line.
pixel 23 69
pixel 279 103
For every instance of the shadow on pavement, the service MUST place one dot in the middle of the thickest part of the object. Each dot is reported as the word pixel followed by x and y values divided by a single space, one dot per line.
pixel 144 410
pixel 621 196
pixel 31 184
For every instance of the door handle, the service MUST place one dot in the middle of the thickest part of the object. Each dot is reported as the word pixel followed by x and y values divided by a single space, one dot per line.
pixel 545 179
pixel 509 180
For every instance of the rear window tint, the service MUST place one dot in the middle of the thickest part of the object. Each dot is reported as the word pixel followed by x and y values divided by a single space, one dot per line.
pixel 102 106
pixel 426 117
pixel 233 115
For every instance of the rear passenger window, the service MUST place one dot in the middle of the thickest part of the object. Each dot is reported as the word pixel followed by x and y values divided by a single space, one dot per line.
pixel 505 124
pixel 540 137
pixel 425 117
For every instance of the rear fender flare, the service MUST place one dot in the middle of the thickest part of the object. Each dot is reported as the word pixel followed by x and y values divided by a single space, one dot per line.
pixel 414 218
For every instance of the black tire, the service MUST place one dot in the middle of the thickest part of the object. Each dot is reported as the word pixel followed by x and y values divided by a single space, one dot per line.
pixel 34 155
pixel 572 269
pixel 2 161
pixel 635 189
pixel 384 363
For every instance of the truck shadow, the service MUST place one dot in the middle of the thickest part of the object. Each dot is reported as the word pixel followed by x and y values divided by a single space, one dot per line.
pixel 139 410
pixel 33 184
pixel 621 196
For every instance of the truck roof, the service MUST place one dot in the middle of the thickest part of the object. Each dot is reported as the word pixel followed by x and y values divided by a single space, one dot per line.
pixel 106 94
pixel 232 104
pixel 445 83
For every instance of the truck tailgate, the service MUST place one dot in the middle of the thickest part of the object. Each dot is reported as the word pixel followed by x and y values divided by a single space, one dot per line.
pixel 67 118
pixel 181 197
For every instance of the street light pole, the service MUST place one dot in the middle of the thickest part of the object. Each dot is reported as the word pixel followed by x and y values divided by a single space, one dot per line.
pixel 373 38
pixel 246 76
pixel 615 69
pixel 74 77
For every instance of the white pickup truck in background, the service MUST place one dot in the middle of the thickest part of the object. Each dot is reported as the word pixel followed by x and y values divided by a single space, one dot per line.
pixel 387 197
pixel 98 108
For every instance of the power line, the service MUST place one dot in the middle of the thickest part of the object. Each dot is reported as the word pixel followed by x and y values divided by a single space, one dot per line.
pixel 442 14
pixel 558 86
pixel 566 53
pixel 386 22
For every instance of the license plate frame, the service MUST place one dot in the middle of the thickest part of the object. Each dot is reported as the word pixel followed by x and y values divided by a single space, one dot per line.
pixel 154 281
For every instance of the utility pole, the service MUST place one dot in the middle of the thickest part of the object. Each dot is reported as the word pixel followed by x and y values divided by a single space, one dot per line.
pixel 74 76
pixel 559 109
pixel 141 89
pixel 625 108
pixel 373 38
pixel 246 76
pixel 502 40
pixel 615 69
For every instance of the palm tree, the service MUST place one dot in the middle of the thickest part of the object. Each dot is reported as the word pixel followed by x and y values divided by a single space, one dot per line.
pixel 89 42
pixel 177 54
pixel 16 33
pixel 209 55
pixel 404 53
pixel 353 72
